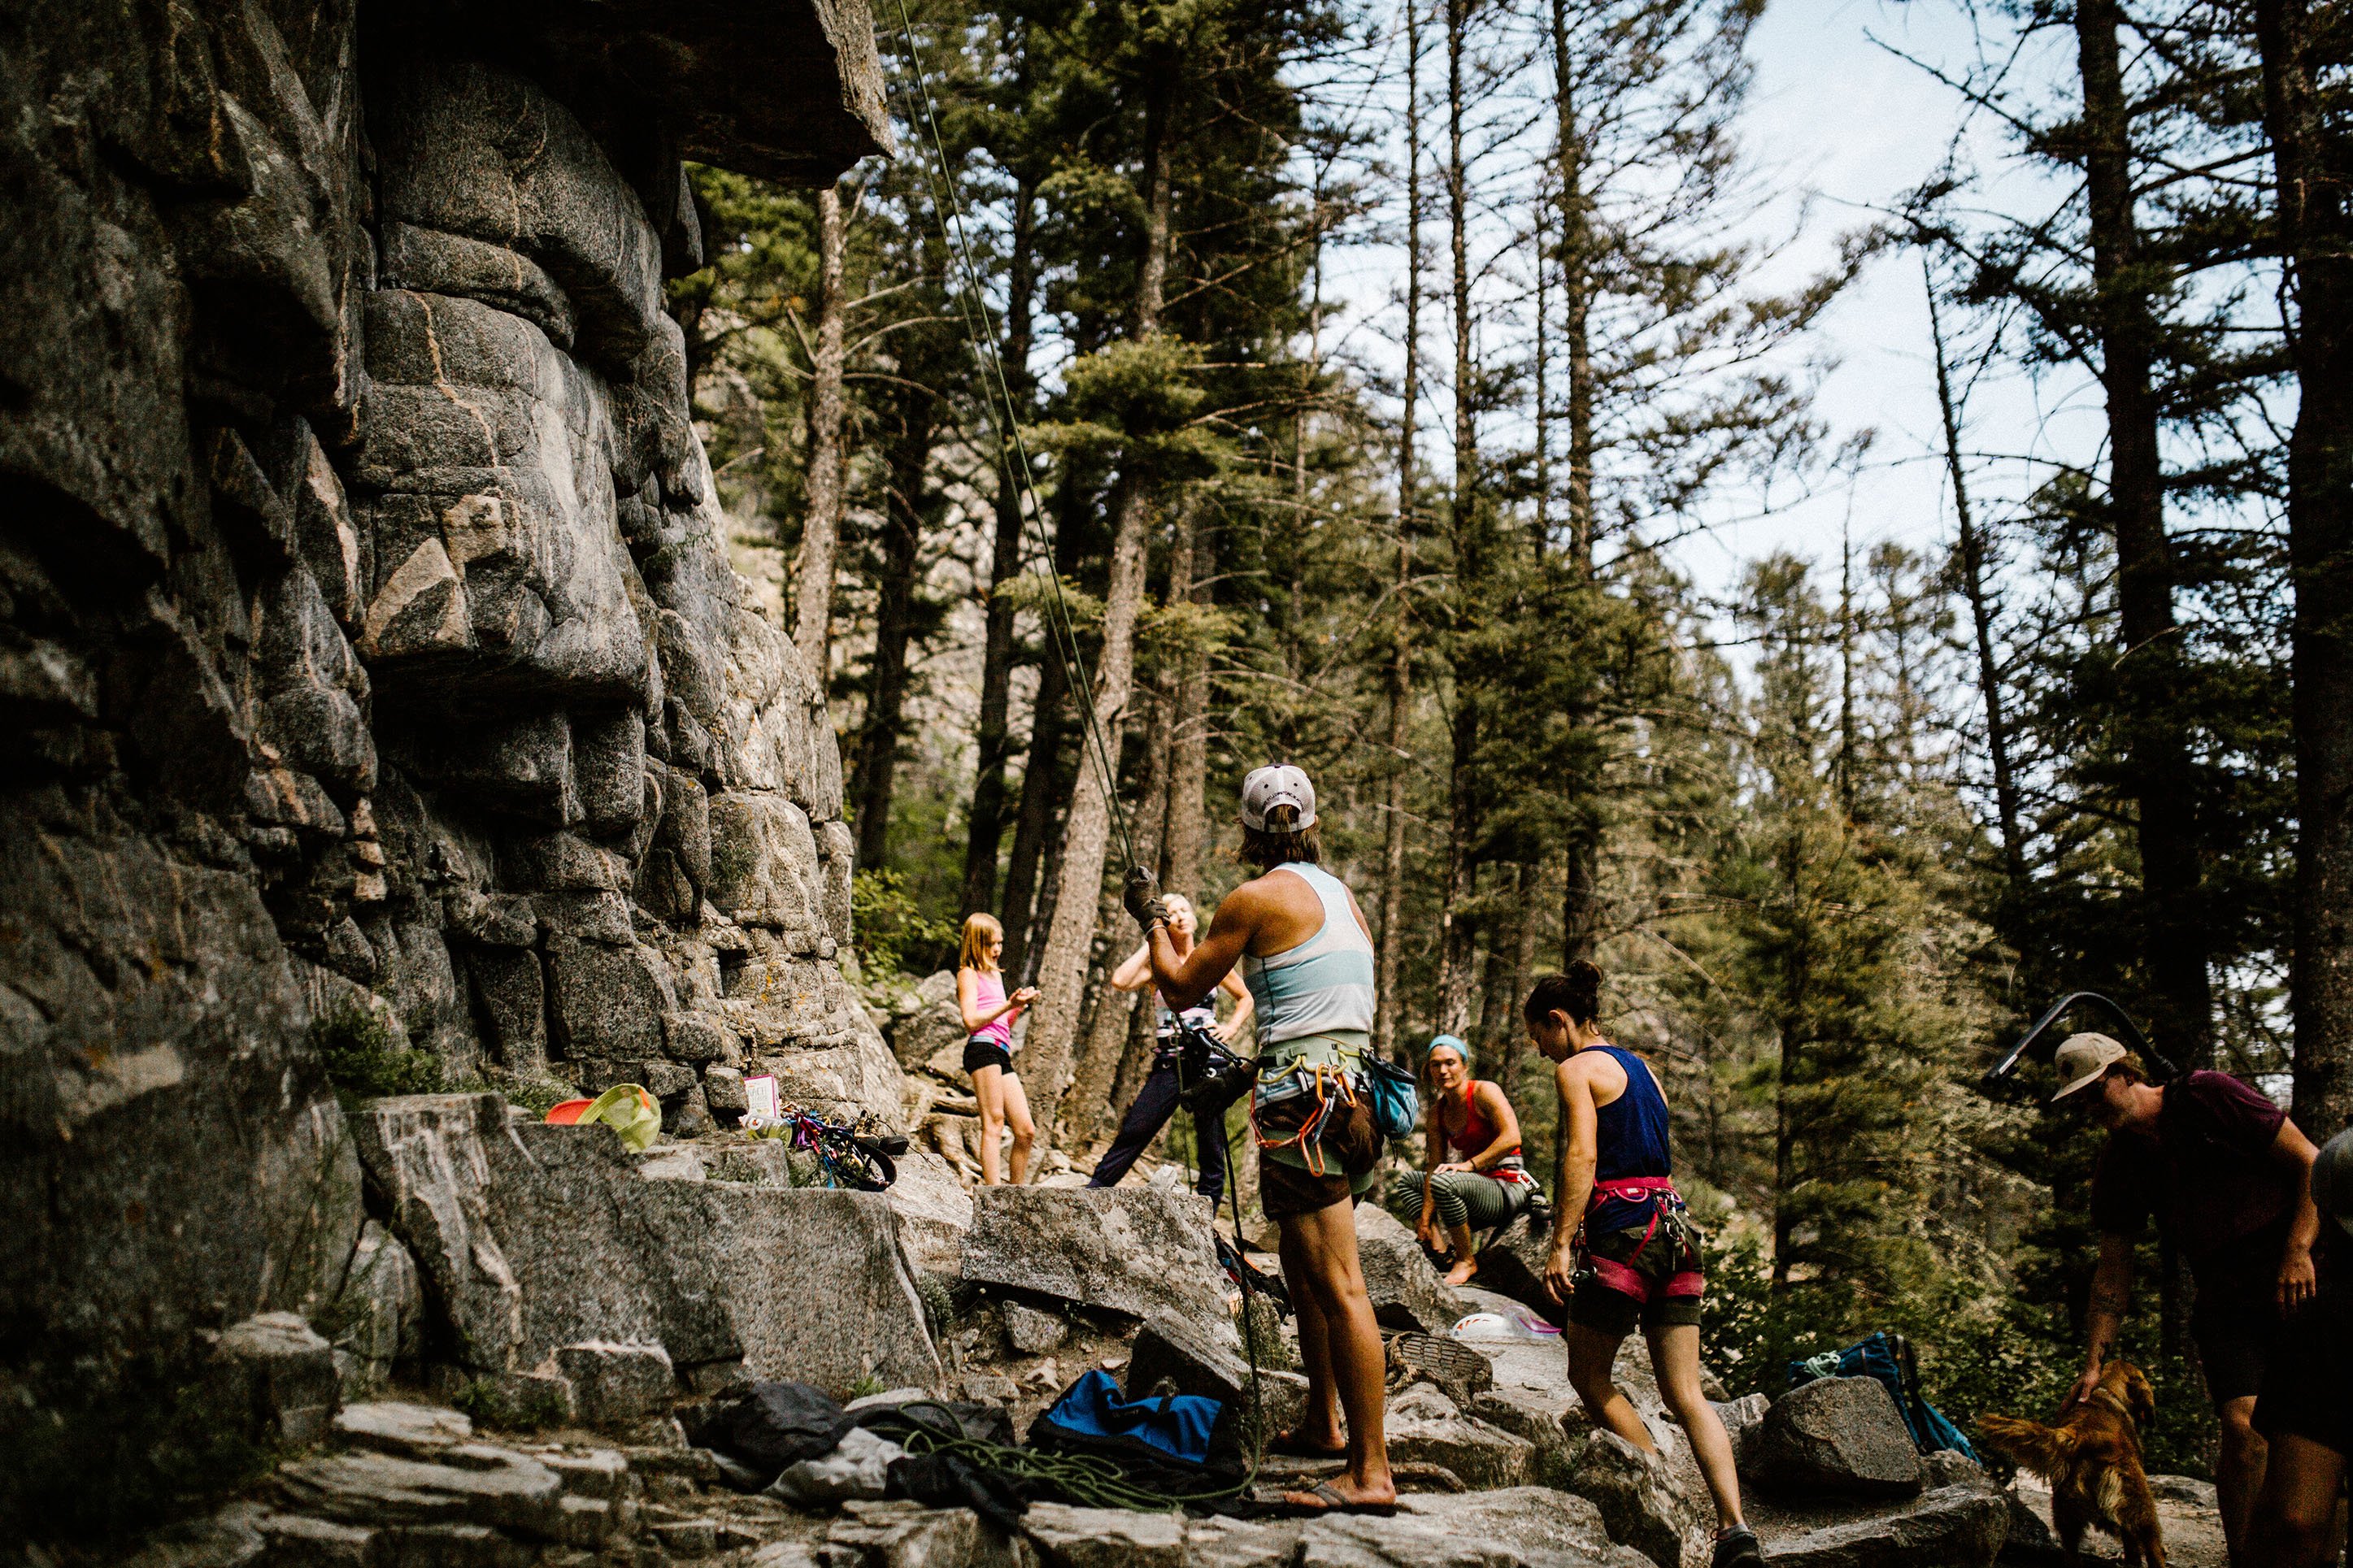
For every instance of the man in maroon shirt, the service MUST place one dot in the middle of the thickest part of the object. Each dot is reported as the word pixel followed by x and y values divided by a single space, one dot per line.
pixel 2229 1179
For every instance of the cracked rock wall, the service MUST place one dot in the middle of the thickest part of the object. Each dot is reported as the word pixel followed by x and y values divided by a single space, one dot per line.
pixel 366 639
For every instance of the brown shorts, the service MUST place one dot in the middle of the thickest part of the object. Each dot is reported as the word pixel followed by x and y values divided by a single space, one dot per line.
pixel 1349 1149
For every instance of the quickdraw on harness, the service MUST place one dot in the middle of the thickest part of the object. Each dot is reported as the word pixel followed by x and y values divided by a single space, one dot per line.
pixel 1666 1207
pixel 1330 1083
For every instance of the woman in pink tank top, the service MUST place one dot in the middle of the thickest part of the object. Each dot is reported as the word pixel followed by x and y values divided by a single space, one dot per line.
pixel 988 1014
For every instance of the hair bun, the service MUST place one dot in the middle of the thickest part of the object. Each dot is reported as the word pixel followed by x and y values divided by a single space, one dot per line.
pixel 1584 988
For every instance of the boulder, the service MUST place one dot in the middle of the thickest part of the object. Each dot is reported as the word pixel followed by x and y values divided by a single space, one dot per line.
pixel 533 1237
pixel 1425 1428
pixel 1525 1527
pixel 469 1484
pixel 763 865
pixel 1138 1250
pixel 472 151
pixel 617 1384
pixel 1513 1265
pixel 409 1431
pixel 274 1377
pixel 1837 1436
pixel 1952 1527
pixel 1642 1502
pixel 908 1535
pixel 934 1211
pixel 932 1027
pixel 486 459
pixel 1033 1333
pixel 809 1280
pixel 1170 1349
pixel 1406 1292
pixel 1743 1419
pixel 380 1310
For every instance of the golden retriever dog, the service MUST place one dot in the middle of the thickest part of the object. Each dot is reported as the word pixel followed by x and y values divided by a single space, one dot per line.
pixel 2092 1459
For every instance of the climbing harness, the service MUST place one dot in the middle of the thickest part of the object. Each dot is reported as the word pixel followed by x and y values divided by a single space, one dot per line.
pixel 1667 1212
pixel 1020 470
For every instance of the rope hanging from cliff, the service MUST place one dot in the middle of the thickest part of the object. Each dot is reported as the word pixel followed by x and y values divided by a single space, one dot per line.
pixel 1004 412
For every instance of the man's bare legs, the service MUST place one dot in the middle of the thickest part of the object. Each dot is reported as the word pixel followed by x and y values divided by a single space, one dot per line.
pixel 2238 1473
pixel 1003 1103
pixel 2295 1523
pixel 1341 1346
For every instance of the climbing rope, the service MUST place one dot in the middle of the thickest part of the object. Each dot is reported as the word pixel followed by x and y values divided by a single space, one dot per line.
pixel 1020 470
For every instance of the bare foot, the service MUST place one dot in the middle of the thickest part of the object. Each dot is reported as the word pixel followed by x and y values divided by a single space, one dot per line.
pixel 1344 1495
pixel 1462 1272
pixel 1307 1441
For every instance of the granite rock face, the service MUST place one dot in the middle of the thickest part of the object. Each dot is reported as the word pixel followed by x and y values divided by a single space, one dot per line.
pixel 369 655
pixel 1142 1251
pixel 1406 1292
pixel 1837 1436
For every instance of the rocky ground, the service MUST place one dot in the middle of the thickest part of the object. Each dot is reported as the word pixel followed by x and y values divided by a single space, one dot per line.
pixel 583 1305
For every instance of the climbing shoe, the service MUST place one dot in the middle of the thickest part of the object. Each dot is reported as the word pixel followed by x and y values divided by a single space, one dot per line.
pixel 1738 1548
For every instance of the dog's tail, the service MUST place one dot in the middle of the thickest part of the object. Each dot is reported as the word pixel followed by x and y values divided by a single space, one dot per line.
pixel 2030 1444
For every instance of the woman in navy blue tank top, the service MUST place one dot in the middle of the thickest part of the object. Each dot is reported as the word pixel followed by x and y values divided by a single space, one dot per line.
pixel 1634 1262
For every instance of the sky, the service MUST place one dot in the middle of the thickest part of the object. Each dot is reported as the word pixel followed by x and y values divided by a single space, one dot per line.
pixel 1837 125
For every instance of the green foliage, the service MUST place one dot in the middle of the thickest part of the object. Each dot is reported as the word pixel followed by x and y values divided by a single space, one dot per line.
pixel 890 925
pixel 867 1384
pixel 365 1060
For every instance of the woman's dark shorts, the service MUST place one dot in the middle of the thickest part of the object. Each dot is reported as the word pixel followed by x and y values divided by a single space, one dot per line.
pixel 1350 1149
pixel 1671 1250
pixel 978 1054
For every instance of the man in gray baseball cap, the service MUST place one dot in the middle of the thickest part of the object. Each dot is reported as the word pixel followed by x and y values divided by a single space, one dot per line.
pixel 2305 1414
pixel 2225 1174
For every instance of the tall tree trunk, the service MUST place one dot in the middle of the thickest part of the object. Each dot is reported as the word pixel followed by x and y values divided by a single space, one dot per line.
pixel 1577 258
pixel 1188 768
pixel 993 731
pixel 1401 682
pixel 1506 974
pixel 1973 587
pixel 894 601
pixel 1042 783
pixel 1109 1021
pixel 1061 975
pixel 1580 913
pixel 821 532
pixel 2314 169
pixel 2175 952
pixel 1457 946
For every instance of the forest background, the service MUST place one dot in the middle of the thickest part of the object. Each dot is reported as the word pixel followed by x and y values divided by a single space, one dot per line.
pixel 1385 390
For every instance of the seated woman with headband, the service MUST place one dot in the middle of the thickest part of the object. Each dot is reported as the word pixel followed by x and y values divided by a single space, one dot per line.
pixel 1476 1181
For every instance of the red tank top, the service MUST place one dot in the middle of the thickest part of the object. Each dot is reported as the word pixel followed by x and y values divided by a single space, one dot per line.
pixel 1478 1130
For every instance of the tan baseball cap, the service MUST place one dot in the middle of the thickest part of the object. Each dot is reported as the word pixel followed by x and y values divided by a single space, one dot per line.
pixel 2082 1059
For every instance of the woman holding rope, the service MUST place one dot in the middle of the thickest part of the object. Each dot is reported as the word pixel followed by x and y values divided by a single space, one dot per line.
pixel 1307 955
pixel 1155 1102
pixel 1635 1260
pixel 1477 1180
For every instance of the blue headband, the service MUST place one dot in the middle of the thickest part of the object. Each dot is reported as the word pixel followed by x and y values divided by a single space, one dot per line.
pixel 1450 1043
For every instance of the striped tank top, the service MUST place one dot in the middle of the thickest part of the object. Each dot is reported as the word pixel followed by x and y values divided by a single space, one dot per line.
pixel 1322 986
